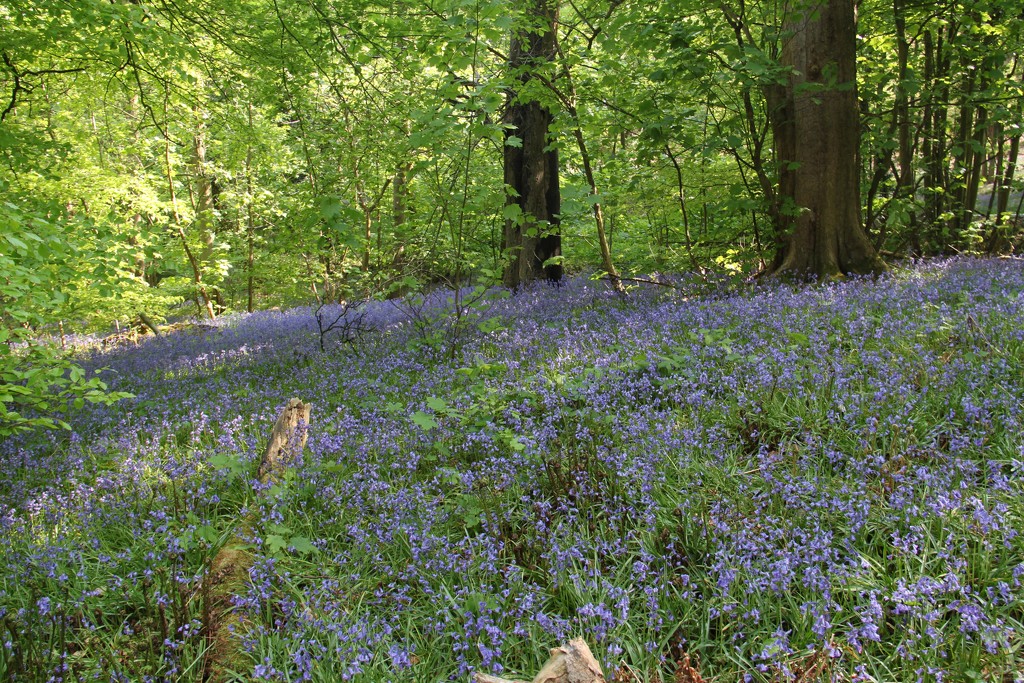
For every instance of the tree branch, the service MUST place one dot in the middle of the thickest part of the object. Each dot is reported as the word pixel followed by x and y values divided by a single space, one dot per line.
pixel 19 87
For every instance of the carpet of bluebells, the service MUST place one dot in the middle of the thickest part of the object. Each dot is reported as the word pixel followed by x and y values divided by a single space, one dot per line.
pixel 708 481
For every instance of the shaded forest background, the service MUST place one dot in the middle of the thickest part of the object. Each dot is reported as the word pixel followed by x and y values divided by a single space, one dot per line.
pixel 172 158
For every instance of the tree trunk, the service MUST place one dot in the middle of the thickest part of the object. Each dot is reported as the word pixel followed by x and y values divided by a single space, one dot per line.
pixel 250 227
pixel 936 177
pixel 997 235
pixel 963 162
pixel 817 135
pixel 205 219
pixel 228 571
pixel 588 172
pixel 1003 194
pixel 197 273
pixel 531 240
pixel 905 182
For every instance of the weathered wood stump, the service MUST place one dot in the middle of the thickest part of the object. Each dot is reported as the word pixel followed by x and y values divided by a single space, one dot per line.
pixel 286 441
pixel 570 663
pixel 229 569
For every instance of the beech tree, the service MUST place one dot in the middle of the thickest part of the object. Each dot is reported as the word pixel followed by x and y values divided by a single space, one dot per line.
pixel 533 205
pixel 816 126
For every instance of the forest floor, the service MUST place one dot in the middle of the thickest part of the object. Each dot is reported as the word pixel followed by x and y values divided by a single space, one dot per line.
pixel 709 482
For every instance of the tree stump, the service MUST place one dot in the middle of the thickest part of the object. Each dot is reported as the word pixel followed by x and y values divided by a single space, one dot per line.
pixel 570 663
pixel 229 569
pixel 286 441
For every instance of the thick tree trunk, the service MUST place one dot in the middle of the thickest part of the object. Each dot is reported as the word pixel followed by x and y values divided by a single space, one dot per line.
pixel 817 134
pixel 532 239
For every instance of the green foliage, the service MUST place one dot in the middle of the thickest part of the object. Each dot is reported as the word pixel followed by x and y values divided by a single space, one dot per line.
pixel 37 379
pixel 351 149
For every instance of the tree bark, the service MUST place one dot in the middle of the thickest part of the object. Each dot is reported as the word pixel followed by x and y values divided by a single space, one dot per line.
pixel 936 115
pixel 286 441
pixel 250 227
pixel 817 134
pixel 532 238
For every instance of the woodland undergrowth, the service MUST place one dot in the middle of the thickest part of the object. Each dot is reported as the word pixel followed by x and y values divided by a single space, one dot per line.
pixel 757 482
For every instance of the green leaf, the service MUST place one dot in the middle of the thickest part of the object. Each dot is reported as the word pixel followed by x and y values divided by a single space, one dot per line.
pixel 425 421
pixel 302 545
pixel 798 338
pixel 438 404
pixel 16 242
pixel 227 462
pixel 281 529
pixel 275 544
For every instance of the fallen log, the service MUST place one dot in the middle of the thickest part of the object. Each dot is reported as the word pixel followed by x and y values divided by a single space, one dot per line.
pixel 229 568
pixel 148 322
pixel 570 663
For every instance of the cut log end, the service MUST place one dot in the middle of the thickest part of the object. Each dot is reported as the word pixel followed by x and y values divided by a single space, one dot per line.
pixel 570 663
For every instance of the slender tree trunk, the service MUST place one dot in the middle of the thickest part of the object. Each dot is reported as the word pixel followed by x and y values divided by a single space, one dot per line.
pixel 928 142
pixel 963 160
pixel 531 238
pixel 367 232
pixel 996 237
pixel 205 218
pixel 368 205
pixel 1003 195
pixel 905 182
pixel 602 237
pixel 197 273
pixel 775 97
pixel 937 168
pixel 995 170
pixel 588 172
pixel 817 134
pixel 250 227
pixel 681 196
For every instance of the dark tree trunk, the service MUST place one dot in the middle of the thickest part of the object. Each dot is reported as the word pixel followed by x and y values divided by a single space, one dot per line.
pixel 531 163
pixel 905 183
pixel 817 134
pixel 936 115
pixel 963 162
